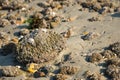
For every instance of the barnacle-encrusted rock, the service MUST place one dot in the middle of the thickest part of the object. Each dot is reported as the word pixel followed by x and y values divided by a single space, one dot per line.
pixel 93 76
pixel 11 71
pixel 38 23
pixel 4 22
pixel 4 38
pixel 108 54
pixel 114 61
pixel 68 70
pixel 113 71
pixel 39 47
pixel 11 4
pixel 96 57
pixel 61 77
pixel 115 47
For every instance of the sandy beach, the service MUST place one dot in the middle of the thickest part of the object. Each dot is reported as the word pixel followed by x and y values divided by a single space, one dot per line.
pixel 86 45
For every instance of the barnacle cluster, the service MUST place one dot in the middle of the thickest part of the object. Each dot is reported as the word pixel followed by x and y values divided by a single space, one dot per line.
pixel 40 47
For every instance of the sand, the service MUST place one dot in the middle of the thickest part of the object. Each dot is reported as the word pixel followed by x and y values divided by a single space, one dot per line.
pixel 76 47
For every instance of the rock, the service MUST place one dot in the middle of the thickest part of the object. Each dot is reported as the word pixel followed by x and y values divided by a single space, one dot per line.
pixel 46 47
pixel 113 71
pixel 108 54
pixel 96 57
pixel 11 71
pixel 4 23
pixel 7 5
pixel 4 38
pixel 115 47
pixel 90 35
pixel 61 77
pixel 24 31
pixel 93 76
pixel 38 23
pixel 114 61
pixel 68 70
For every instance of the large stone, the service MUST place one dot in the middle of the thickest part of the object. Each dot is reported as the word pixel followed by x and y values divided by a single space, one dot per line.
pixel 41 46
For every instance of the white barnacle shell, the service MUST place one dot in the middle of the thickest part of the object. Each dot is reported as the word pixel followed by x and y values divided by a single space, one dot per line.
pixel 31 41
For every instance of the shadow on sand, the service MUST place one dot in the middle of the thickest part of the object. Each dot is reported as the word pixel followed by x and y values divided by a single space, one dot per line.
pixel 116 15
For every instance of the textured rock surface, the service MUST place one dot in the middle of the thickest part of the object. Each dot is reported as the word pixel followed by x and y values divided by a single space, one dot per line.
pixel 40 47
pixel 11 71
pixel 115 47
pixel 68 70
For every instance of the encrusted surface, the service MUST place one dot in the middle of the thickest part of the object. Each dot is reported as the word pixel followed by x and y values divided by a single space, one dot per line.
pixel 39 48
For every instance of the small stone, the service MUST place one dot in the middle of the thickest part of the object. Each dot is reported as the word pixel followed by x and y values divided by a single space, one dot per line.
pixel 4 23
pixel 42 74
pixel 69 70
pixel 96 57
